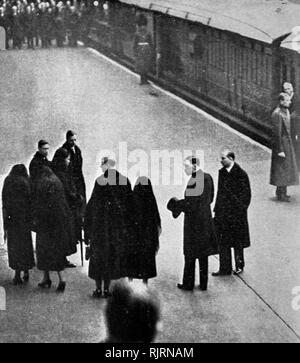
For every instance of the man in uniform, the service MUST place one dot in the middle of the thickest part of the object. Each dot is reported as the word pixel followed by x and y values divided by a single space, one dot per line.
pixel 284 170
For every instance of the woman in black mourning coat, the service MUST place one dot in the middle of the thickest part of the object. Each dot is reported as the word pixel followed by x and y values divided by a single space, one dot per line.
pixel 53 227
pixel 109 227
pixel 141 260
pixel 60 166
pixel 17 222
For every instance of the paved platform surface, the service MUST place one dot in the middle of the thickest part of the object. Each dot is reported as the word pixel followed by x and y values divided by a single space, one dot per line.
pixel 46 92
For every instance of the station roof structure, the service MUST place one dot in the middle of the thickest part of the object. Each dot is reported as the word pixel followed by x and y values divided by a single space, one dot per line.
pixel 264 20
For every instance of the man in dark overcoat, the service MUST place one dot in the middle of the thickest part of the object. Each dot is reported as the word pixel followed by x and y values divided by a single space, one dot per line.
pixel 76 162
pixel 231 220
pixel 39 159
pixel 109 227
pixel 199 234
pixel 284 170
pixel 78 178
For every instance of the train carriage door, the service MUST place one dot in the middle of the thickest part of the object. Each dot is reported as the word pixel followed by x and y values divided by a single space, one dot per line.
pixel 2 38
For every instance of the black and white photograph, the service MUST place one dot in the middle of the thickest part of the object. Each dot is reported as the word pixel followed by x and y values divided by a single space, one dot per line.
pixel 149 174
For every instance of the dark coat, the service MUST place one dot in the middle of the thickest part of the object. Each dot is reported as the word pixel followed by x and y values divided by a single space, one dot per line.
pixel 284 171
pixel 17 222
pixel 108 225
pixel 199 233
pixel 141 258
pixel 295 131
pixel 76 169
pixel 143 50
pixel 53 226
pixel 73 200
pixel 233 200
pixel 35 165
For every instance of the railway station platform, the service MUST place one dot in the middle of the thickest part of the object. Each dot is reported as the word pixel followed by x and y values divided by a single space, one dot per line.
pixel 45 93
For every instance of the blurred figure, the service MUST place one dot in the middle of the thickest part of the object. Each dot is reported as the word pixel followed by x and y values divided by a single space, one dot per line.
pixel 29 27
pixel 61 167
pixel 132 314
pixel 284 170
pixel 17 30
pixel 107 227
pixel 17 222
pixel 289 90
pixel 59 25
pixel 143 49
pixel 295 120
pixel 231 214
pixel 73 27
pixel 4 22
pixel 141 263
pixel 44 27
pixel 53 228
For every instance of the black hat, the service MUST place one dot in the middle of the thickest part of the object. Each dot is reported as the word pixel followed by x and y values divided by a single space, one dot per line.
pixel 173 206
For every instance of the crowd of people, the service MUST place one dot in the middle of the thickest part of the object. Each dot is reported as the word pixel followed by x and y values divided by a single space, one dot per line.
pixel 121 224
pixel 42 23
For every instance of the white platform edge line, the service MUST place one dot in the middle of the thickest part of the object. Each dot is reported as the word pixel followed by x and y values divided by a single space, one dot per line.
pixel 184 102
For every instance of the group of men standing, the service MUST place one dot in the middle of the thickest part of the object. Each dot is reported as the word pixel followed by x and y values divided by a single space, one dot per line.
pixel 41 22
pixel 71 177
pixel 205 235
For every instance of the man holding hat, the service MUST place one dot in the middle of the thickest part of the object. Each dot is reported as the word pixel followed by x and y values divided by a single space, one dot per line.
pixel 199 235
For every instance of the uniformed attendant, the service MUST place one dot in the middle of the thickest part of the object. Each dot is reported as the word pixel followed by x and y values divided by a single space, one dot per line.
pixel 143 49
pixel 284 170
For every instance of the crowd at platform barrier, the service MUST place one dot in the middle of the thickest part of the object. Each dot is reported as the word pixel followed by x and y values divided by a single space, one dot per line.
pixel 44 23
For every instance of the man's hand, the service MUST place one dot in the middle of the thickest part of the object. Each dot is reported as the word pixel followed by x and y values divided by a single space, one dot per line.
pixel 282 155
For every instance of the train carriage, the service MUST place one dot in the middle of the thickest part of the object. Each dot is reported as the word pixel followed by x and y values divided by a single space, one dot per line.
pixel 227 57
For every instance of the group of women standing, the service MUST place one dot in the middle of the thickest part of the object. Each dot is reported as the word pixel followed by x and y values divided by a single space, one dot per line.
pixel 122 225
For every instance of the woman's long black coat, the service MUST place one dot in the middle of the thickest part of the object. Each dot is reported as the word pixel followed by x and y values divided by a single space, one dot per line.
pixel 73 200
pixel 53 225
pixel 141 255
pixel 109 226
pixel 17 222
pixel 199 233
pixel 233 200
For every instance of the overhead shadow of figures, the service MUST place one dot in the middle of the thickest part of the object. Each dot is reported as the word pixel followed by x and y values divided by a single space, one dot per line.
pixel 170 60
pixel 2 299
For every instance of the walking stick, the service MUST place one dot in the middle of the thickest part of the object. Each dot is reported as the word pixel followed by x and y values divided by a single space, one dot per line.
pixel 81 245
